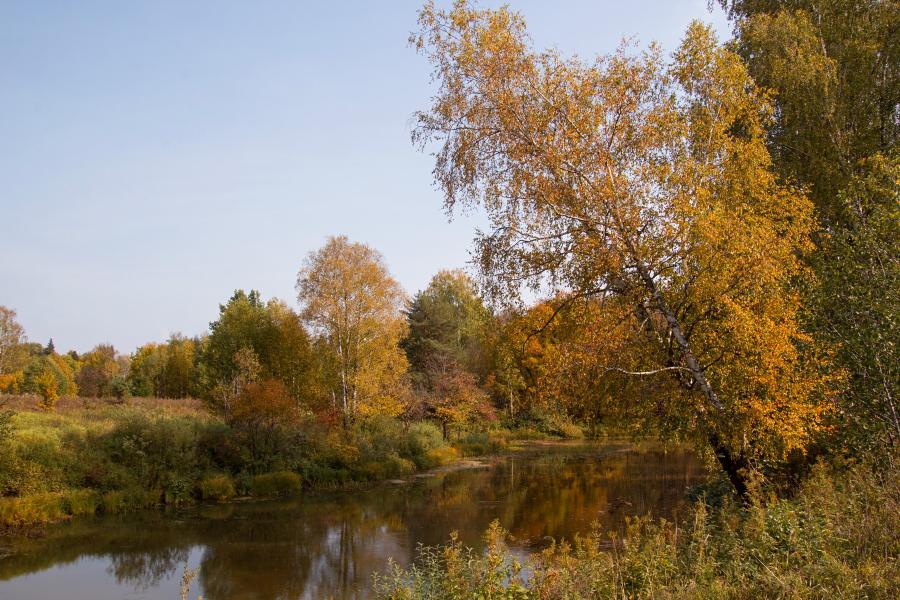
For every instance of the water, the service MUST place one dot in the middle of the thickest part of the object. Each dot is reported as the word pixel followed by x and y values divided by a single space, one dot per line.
pixel 329 544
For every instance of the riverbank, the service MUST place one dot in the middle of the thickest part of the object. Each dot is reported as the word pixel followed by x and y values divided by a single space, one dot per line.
pixel 323 544
pixel 102 457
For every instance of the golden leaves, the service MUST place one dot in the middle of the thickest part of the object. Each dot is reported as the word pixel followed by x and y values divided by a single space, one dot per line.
pixel 642 180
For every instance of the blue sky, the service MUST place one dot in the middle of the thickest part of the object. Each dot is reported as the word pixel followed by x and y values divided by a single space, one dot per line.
pixel 154 156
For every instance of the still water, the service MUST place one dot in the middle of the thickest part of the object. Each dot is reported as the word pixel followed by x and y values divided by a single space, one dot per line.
pixel 328 544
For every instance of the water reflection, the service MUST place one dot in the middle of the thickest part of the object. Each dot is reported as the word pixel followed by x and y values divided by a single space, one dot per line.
pixel 328 545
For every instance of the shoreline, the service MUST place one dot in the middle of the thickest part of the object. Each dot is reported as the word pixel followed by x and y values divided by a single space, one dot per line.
pixel 38 530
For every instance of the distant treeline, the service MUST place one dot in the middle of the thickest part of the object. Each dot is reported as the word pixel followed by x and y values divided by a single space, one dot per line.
pixel 357 348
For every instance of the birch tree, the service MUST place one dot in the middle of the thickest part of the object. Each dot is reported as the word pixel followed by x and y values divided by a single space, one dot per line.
pixel 644 178
pixel 350 299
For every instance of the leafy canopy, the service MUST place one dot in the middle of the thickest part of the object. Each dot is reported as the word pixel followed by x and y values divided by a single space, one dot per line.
pixel 648 180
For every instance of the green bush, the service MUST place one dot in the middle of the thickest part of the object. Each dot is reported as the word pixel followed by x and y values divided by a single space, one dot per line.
pixel 159 452
pixel 420 439
pixel 279 483
pixel 108 453
pixel 541 424
pixel 216 488
pixel 397 465
pixel 325 475
pixel 479 443
pixel 440 456
pixel 392 465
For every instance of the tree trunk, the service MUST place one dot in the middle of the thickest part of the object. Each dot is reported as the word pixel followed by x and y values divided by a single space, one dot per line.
pixel 735 467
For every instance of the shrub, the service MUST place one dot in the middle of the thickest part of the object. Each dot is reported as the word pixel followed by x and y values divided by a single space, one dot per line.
pixel 216 488
pixel 480 443
pixel 112 502
pixel 35 462
pixel 570 431
pixel 47 508
pixel 158 452
pixel 440 456
pixel 419 440
pixel 458 572
pixel 392 465
pixel 118 387
pixel 177 489
pixel 397 465
pixel 46 387
pixel 6 424
pixel 279 483
pixel 326 476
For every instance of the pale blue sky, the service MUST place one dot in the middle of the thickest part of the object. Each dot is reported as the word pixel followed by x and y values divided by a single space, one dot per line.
pixel 154 156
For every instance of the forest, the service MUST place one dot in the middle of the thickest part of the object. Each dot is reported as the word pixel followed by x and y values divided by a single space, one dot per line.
pixel 713 239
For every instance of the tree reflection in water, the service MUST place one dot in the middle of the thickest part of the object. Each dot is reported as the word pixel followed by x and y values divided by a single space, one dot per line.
pixel 328 545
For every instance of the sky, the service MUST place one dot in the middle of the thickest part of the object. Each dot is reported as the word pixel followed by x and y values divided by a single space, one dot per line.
pixel 155 156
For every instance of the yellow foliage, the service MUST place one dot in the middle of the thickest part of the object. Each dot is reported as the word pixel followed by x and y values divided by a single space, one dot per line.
pixel 46 385
pixel 353 303
pixel 642 188
pixel 10 383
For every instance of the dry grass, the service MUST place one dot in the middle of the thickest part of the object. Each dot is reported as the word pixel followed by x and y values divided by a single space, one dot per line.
pixel 69 404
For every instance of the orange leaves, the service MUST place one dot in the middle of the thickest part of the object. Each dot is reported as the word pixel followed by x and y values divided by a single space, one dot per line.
pixel 264 404
pixel 645 182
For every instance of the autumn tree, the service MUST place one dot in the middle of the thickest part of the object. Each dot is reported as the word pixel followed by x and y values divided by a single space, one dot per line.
pixel 506 379
pixel 247 371
pixel 834 68
pixel 274 334
pixel 98 368
pixel 13 354
pixel 48 375
pixel 178 368
pixel 242 323
pixel 454 397
pixel 146 374
pixel 647 180
pixel 289 356
pixel 351 301
pixel 531 367
pixel 261 412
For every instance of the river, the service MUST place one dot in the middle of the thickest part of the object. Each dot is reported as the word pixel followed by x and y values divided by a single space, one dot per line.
pixel 326 545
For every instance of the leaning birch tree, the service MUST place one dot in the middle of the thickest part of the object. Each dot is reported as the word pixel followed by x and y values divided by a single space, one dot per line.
pixel 647 179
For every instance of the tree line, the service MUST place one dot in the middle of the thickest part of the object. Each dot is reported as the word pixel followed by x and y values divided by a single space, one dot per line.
pixel 358 347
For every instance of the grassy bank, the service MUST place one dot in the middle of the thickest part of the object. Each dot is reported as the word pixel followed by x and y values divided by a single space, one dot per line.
pixel 838 538
pixel 100 457
pixel 91 457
